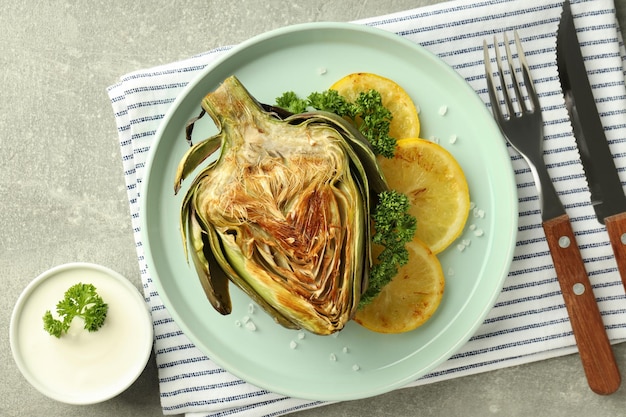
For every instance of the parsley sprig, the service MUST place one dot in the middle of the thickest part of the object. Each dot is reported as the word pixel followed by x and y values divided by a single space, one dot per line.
pixel 80 300
pixel 395 226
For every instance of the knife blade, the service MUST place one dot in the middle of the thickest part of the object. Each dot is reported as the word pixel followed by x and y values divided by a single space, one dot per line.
pixel 607 194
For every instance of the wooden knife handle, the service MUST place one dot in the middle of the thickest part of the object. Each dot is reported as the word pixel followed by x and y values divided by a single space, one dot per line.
pixel 616 227
pixel 594 348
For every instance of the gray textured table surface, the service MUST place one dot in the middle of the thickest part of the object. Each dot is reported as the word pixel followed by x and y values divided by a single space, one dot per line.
pixel 63 197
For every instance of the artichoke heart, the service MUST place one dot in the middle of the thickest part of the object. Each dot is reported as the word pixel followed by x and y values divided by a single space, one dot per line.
pixel 282 211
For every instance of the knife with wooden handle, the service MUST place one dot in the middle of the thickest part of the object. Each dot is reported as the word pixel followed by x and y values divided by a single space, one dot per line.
pixel 594 348
pixel 607 194
pixel 608 200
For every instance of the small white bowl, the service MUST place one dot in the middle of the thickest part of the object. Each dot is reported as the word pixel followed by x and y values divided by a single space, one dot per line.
pixel 81 367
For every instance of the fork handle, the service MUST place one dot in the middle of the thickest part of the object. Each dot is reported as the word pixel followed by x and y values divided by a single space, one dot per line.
pixel 616 228
pixel 594 348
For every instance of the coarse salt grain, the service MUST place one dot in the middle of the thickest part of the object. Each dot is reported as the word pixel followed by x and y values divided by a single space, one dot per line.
pixel 479 213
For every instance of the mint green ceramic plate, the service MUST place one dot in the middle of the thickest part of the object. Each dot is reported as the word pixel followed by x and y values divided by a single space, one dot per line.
pixel 355 363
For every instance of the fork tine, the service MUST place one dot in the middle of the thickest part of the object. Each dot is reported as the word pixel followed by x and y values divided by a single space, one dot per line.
pixel 528 81
pixel 505 90
pixel 495 102
pixel 514 77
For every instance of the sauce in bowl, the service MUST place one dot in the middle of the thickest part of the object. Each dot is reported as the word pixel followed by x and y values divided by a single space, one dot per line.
pixel 81 367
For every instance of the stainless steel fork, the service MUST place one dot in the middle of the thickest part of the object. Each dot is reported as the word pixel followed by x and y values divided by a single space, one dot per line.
pixel 521 124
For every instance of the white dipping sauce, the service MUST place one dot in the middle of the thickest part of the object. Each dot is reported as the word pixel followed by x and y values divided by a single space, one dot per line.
pixel 82 367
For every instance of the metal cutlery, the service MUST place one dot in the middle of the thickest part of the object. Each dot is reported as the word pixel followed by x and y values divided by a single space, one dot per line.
pixel 522 125
pixel 607 194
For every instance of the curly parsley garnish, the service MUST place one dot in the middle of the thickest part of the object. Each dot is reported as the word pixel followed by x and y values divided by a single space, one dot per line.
pixel 81 300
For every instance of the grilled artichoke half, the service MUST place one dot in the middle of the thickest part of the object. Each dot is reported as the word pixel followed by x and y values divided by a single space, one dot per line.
pixel 282 212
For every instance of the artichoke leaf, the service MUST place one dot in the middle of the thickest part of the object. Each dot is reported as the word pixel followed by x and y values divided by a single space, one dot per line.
pixel 212 277
pixel 191 124
pixel 185 212
pixel 194 156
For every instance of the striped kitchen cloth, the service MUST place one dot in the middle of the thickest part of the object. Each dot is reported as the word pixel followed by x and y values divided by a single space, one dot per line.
pixel 529 321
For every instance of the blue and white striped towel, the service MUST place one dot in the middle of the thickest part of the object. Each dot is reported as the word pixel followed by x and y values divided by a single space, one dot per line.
pixel 529 321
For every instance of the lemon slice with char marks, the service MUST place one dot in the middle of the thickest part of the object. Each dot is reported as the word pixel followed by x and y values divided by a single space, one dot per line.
pixel 410 298
pixel 436 186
